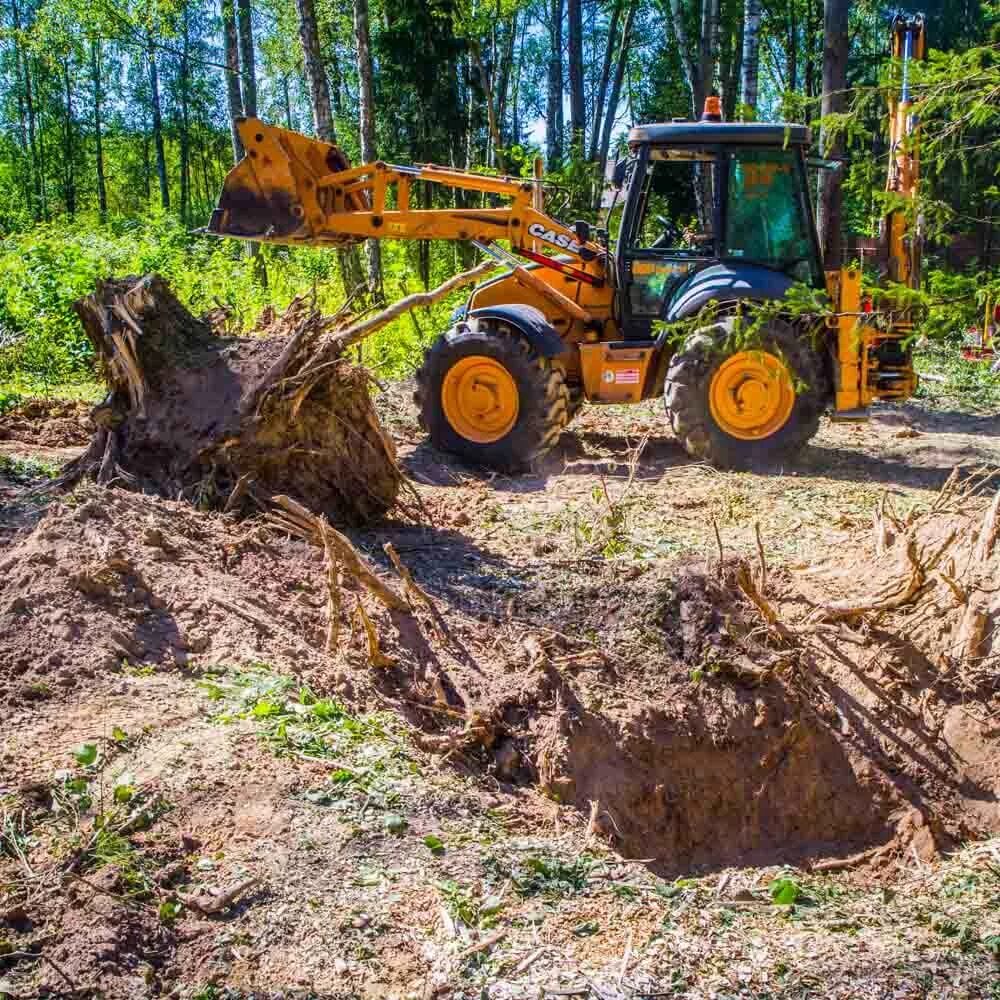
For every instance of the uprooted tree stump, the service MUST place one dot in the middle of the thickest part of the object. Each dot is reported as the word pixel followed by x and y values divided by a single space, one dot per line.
pixel 221 421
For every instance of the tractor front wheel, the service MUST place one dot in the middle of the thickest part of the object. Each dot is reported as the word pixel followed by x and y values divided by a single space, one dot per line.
pixel 485 395
pixel 741 408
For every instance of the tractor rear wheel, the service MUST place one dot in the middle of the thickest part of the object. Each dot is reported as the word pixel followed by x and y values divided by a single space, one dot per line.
pixel 484 394
pixel 743 408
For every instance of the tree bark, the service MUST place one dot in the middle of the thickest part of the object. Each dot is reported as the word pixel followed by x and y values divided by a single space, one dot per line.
pixel 691 67
pixel 503 77
pixel 319 86
pixel 95 70
pixel 185 136
pixel 751 55
pixel 248 66
pixel 616 85
pixel 577 114
pixel 601 91
pixel 234 96
pixel 553 104
pixel 830 195
pixel 69 178
pixel 154 100
pixel 366 107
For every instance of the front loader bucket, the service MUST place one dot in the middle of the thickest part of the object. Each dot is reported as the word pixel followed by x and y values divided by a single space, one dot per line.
pixel 280 191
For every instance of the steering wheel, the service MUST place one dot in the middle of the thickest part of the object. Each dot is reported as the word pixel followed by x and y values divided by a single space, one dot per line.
pixel 670 236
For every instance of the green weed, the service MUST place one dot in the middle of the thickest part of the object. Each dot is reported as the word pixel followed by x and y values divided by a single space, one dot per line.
pixel 543 875
pixel 467 905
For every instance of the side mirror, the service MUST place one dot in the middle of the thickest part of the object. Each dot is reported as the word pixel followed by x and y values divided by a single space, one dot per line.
pixel 582 230
pixel 618 174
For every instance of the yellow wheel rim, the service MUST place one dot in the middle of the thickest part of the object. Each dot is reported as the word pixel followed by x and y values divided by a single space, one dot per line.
pixel 479 398
pixel 751 395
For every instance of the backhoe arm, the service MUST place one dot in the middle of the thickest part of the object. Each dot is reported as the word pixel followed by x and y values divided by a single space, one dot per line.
pixel 902 247
pixel 293 189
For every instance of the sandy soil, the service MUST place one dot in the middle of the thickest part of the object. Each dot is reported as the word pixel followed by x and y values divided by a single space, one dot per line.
pixel 591 773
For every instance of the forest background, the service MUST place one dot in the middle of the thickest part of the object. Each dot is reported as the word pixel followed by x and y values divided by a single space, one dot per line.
pixel 116 133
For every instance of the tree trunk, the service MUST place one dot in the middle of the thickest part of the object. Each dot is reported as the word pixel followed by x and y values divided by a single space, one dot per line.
pixel 751 56
pixel 69 178
pixel 577 114
pixel 154 101
pixel 830 195
pixel 503 77
pixel 601 91
pixel 185 138
pixel 490 113
pixel 616 85
pixel 553 104
pixel 691 67
pixel 288 103
pixel 248 66
pixel 95 70
pixel 34 159
pixel 234 97
pixel 366 106
pixel 319 87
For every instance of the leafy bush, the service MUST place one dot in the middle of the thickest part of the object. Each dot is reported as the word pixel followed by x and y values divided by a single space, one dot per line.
pixel 44 269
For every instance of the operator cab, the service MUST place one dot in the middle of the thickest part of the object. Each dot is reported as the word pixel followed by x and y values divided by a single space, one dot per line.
pixel 712 210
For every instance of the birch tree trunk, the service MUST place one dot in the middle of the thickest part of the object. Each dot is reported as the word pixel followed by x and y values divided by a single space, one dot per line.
pixel 69 178
pixel 319 87
pixel 154 103
pixel 185 137
pixel 553 104
pixel 95 73
pixel 830 196
pixel 616 86
pixel 366 105
pixel 601 91
pixel 248 65
pixel 751 55
pixel 234 97
pixel 577 114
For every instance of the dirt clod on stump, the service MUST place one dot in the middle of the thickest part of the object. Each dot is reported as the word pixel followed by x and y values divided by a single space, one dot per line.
pixel 224 421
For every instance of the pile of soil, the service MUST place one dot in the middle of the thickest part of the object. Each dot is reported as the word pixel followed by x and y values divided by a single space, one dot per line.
pixel 111 580
pixel 225 422
pixel 52 423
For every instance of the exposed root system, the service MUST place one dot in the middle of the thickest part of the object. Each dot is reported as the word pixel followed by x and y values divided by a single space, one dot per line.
pixel 226 422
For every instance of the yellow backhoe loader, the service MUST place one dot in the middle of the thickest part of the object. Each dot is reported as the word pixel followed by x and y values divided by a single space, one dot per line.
pixel 578 317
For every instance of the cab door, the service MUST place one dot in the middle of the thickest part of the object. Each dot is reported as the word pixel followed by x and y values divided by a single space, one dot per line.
pixel 660 242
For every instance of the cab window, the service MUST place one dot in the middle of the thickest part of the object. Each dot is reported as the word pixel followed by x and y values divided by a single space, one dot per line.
pixel 765 216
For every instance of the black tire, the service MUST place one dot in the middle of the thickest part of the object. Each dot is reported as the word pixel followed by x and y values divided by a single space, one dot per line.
pixel 543 400
pixel 686 397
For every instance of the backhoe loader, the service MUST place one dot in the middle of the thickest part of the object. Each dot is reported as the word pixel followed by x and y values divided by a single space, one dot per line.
pixel 578 317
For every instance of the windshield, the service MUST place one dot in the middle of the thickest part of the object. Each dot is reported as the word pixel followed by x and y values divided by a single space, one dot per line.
pixel 765 214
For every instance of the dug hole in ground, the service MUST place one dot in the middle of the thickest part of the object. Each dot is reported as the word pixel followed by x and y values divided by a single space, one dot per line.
pixel 622 726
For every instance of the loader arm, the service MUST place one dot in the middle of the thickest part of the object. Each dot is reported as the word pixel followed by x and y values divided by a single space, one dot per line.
pixel 296 190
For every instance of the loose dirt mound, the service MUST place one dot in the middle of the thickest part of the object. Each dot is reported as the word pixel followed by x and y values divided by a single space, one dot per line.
pixel 224 422
pixel 111 580
pixel 53 423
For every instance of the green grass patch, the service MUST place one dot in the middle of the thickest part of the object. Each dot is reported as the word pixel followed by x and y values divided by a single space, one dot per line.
pixel 367 754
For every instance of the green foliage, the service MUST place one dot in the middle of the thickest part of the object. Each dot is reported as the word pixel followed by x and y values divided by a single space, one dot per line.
pixel 27 470
pixel 45 269
pixel 784 891
pixel 543 875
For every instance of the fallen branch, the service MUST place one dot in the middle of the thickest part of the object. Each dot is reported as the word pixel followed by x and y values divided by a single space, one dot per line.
pixel 367 327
